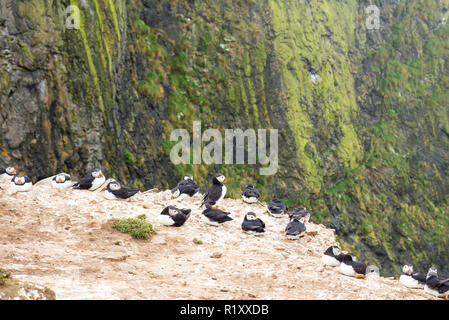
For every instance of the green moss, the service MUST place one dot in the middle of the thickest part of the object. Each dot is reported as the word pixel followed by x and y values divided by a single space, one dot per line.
pixel 129 157
pixel 90 61
pixel 116 24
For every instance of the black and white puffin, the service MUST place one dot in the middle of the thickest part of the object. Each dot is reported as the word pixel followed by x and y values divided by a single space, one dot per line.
pixel 301 212
pixel 295 229
pixel 412 280
pixel 185 188
pixel 91 182
pixel 115 190
pixel 356 269
pixel 21 184
pixel 172 216
pixel 250 194
pixel 435 286
pixel 215 217
pixel 216 192
pixel 253 225
pixel 61 181
pixel 332 256
pixel 7 174
pixel 277 208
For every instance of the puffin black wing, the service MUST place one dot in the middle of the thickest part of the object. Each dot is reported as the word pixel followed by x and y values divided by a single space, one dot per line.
pixel 433 282
pixel 212 194
pixel 358 266
pixel 276 206
pixel 217 215
pixel 250 191
pixel 180 217
pixel 189 188
pixel 2 170
pixel 85 182
pixel 124 192
pixel 253 225
pixel 340 257
pixel 419 277
pixel 294 228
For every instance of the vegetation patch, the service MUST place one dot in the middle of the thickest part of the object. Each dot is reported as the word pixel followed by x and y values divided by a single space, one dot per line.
pixel 138 228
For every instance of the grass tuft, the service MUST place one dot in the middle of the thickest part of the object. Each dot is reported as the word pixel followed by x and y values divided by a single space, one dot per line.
pixel 137 228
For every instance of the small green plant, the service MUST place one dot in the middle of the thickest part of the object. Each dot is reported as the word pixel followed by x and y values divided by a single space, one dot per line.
pixel 137 228
pixel 197 241
pixel 4 276
pixel 129 157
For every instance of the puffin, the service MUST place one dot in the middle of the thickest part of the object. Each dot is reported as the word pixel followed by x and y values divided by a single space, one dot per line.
pixel 332 256
pixel 215 217
pixel 250 194
pixel 253 225
pixel 435 286
pixel 301 212
pixel 61 181
pixel 91 182
pixel 172 216
pixel 21 184
pixel 7 174
pixel 295 228
pixel 412 280
pixel 185 188
pixel 216 192
pixel 277 208
pixel 115 190
pixel 356 269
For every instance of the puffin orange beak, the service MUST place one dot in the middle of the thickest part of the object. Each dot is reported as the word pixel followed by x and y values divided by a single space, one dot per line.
pixel 359 276
pixel 14 172
pixel 226 179
pixel 101 175
pixel 171 197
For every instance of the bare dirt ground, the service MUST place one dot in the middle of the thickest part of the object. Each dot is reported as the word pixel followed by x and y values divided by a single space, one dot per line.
pixel 64 240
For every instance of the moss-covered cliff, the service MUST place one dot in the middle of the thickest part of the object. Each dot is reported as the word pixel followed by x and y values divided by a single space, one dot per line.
pixel 362 114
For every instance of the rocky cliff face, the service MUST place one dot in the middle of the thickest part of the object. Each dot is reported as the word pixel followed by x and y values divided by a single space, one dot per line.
pixel 362 114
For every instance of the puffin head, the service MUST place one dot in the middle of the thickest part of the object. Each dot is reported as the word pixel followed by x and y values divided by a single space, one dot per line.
pixel 336 250
pixel 432 272
pixel 188 177
pixel 172 211
pixel 11 171
pixel 60 178
pixel 114 186
pixel 407 269
pixel 19 180
pixel 219 178
pixel 97 174
pixel 250 216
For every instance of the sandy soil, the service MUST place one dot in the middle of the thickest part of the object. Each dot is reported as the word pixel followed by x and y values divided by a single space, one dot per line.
pixel 64 240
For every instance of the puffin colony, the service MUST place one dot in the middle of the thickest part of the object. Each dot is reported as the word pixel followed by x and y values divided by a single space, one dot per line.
pixel 172 216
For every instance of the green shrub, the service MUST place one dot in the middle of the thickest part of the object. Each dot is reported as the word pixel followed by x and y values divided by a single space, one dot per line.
pixel 137 228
